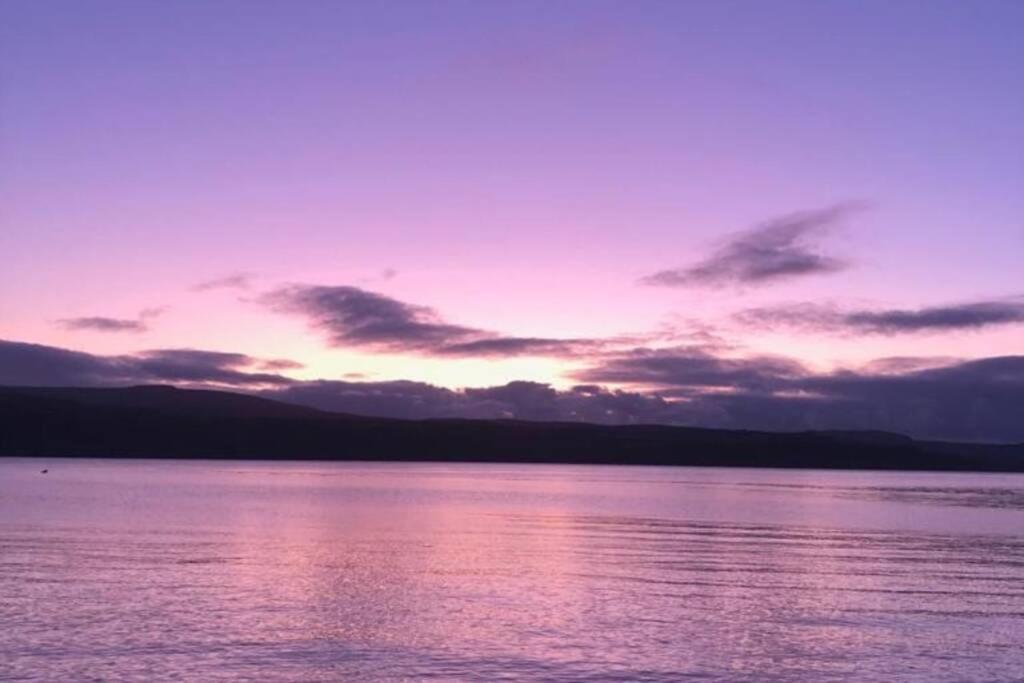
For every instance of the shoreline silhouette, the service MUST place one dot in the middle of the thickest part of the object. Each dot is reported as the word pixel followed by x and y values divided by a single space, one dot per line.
pixel 168 422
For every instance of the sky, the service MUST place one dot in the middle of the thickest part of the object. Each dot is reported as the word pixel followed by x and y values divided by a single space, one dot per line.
pixel 774 215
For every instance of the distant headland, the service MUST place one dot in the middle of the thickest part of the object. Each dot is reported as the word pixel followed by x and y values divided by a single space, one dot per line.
pixel 167 422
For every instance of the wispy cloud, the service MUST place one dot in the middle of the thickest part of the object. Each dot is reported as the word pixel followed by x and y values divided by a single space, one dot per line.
pixel 280 364
pixel 780 249
pixel 233 281
pixel 945 318
pixel 113 325
pixel 102 324
pixel 520 346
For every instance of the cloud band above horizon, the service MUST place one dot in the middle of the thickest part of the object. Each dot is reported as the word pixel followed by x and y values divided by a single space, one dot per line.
pixel 926 398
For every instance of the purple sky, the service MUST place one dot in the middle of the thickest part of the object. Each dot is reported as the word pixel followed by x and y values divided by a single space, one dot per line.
pixel 565 185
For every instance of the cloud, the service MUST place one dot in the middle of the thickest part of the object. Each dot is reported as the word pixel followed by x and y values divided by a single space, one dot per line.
pixel 966 316
pixel 401 399
pixel 234 281
pixel 693 369
pixel 946 318
pixel 971 400
pixel 904 364
pixel 778 250
pixel 104 324
pixel 975 400
pixel 351 316
pixel 101 324
pixel 39 365
pixel 354 317
pixel 280 364
pixel 952 399
pixel 515 400
pixel 518 346
pixel 195 366
pixel 928 398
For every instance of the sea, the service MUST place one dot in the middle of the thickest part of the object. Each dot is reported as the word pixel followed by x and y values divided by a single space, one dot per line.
pixel 198 570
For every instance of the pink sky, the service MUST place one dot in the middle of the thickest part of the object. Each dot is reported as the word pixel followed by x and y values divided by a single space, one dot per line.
pixel 517 167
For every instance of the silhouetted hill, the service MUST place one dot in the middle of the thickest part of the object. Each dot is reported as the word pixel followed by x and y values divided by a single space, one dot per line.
pixel 164 422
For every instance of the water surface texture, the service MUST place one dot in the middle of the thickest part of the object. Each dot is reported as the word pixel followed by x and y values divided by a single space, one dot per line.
pixel 207 571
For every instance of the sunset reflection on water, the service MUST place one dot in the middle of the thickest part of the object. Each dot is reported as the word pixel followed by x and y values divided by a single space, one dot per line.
pixel 306 572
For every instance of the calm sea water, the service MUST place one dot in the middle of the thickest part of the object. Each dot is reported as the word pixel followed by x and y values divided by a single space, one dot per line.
pixel 207 571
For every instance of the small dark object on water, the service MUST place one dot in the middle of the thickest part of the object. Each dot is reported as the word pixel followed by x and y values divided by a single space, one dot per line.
pixel 44 471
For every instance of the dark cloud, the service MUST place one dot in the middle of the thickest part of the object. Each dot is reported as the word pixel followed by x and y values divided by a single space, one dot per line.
pixel 402 399
pixel 966 316
pixel 693 369
pixel 38 365
pixel 234 281
pixel 193 366
pixel 515 400
pixel 972 400
pixel 354 317
pixel 351 316
pixel 979 399
pixel 780 249
pixel 969 316
pixel 534 401
pixel 24 364
pixel 969 400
